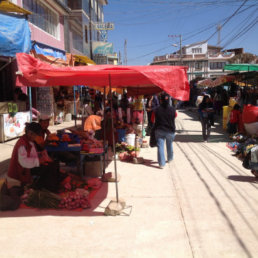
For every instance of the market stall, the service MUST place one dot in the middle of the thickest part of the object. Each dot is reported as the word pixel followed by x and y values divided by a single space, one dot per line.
pixel 14 38
pixel 136 79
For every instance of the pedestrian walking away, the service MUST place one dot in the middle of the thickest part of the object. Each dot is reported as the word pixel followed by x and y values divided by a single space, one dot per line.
pixel 165 129
pixel 206 116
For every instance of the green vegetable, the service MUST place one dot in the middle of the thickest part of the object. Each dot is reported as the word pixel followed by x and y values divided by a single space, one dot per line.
pixel 43 199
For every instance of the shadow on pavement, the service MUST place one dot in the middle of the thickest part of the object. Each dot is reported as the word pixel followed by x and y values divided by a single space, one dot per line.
pixel 248 179
pixel 150 163
pixel 199 138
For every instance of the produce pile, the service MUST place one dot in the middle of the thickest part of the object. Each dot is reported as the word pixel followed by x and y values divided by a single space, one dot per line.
pixel 55 139
pixel 74 194
pixel 76 199
pixel 126 152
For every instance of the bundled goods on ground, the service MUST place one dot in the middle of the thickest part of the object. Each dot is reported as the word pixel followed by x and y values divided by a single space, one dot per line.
pixel 42 199
pixel 75 199
pixel 246 149
pixel 73 194
pixel 126 152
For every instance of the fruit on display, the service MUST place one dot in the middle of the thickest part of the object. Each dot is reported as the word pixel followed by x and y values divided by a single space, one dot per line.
pixel 52 137
pixel 66 138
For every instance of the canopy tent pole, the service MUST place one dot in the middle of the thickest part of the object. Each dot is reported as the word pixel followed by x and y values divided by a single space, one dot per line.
pixel 113 138
pixel 75 111
pixel 30 100
pixel 143 120
pixel 104 129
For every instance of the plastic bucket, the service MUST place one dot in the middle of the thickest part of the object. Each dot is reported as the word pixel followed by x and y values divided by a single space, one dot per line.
pixel 130 139
pixel 121 135
pixel 68 117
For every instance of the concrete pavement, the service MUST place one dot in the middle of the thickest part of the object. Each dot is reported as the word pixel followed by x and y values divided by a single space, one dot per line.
pixel 204 204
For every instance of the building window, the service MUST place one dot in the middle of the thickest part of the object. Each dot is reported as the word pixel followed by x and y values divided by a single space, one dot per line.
pixel 75 4
pixel 77 41
pixel 86 34
pixel 197 50
pixel 43 17
pixel 217 65
pixel 198 65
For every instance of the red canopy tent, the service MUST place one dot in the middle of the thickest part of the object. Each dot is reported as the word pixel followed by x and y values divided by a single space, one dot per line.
pixel 136 79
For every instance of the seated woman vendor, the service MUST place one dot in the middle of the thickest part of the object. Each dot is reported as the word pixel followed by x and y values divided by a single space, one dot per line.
pixel 92 124
pixel 30 164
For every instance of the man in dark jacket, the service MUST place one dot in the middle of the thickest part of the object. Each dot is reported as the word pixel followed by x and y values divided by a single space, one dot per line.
pixel 165 129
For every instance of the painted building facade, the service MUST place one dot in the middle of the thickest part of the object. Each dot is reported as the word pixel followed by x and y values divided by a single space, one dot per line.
pixel 202 60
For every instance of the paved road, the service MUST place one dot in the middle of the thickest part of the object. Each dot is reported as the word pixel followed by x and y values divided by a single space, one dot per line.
pixel 217 196
pixel 203 205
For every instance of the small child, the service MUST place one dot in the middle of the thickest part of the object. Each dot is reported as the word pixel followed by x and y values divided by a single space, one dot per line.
pixel 234 119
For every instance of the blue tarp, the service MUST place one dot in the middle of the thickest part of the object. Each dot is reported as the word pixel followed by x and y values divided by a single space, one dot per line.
pixel 48 51
pixel 14 35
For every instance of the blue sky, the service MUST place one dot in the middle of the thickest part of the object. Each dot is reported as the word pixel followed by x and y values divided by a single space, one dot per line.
pixel 147 24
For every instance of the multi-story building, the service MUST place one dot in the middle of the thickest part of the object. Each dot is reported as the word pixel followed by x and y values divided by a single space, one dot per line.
pixel 60 26
pixel 66 26
pixel 202 60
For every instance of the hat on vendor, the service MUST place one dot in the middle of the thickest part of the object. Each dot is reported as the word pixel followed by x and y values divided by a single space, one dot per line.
pixel 33 127
pixel 44 117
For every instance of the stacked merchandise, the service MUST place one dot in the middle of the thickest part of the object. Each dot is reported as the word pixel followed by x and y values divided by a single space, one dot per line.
pixel 127 152
pixel 246 149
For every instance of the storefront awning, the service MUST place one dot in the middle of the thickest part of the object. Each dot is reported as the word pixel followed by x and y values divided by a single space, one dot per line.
pixel 84 60
pixel 216 82
pixel 54 60
pixel 6 6
pixel 241 67
pixel 15 35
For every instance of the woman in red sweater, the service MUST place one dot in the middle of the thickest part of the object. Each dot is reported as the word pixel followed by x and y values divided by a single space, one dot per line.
pixel 234 119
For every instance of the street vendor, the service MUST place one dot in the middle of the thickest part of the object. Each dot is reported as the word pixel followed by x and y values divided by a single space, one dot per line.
pixel 29 160
pixel 92 124
pixel 44 123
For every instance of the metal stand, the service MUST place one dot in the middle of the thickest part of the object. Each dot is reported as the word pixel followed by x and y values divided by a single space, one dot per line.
pixel 30 100
pixel 75 111
pixel 113 138
pixel 104 129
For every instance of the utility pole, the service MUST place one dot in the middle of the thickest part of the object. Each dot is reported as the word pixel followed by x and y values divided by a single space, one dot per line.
pixel 180 45
pixel 219 30
pixel 125 52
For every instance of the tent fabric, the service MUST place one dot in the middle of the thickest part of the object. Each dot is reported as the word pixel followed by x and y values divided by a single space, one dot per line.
pixel 14 35
pixel 41 49
pixel 241 67
pixel 171 79
pixel 6 6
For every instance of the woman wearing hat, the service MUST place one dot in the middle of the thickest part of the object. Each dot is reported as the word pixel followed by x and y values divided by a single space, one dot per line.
pixel 24 156
pixel 30 160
